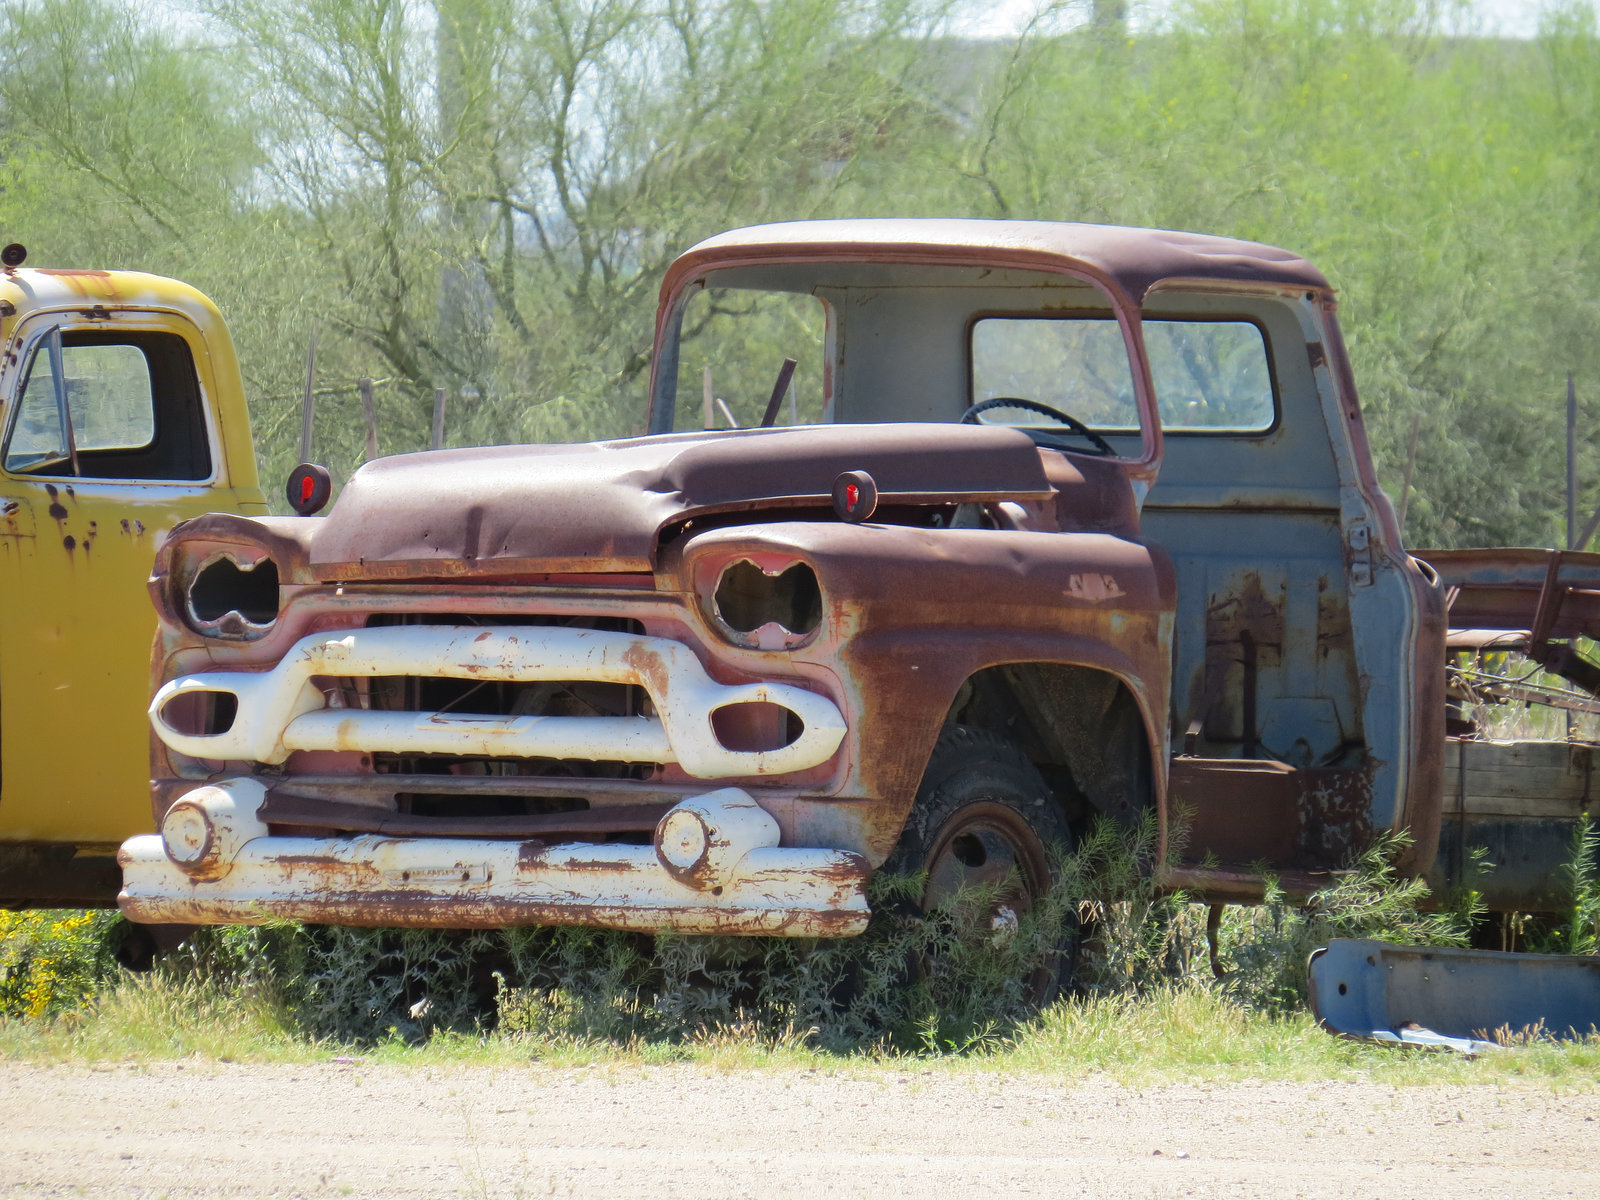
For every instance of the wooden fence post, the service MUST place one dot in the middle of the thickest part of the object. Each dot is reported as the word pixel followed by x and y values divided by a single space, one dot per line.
pixel 371 416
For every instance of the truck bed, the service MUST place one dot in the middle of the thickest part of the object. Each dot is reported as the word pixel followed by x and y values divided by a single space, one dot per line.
pixel 1520 798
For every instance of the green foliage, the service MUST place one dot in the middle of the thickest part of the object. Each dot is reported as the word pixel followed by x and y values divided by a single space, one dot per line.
pixel 923 984
pixel 1270 944
pixel 1578 932
pixel 54 960
pixel 481 195
pixel 1583 869
pixel 1145 939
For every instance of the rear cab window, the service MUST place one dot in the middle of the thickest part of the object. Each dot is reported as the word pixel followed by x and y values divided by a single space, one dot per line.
pixel 1210 376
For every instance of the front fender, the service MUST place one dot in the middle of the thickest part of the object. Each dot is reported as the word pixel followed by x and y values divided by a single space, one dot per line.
pixel 909 614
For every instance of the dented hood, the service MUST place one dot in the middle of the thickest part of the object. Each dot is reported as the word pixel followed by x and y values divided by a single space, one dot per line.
pixel 600 506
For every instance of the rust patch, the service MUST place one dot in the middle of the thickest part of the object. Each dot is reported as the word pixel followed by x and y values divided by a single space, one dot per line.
pixel 1237 810
pixel 1336 806
pixel 1241 811
pixel 1237 624
pixel 390 907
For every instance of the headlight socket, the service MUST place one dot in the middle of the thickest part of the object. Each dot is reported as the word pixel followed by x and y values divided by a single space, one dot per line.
pixel 232 599
pixel 767 607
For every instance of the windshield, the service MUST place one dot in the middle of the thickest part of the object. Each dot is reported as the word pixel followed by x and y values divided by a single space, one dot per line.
pixel 731 354
pixel 865 343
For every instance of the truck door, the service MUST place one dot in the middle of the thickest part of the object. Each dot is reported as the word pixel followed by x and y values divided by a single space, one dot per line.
pixel 1268 716
pixel 108 441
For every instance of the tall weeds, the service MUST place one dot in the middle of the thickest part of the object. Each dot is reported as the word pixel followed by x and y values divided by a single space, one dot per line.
pixel 1583 870
pixel 950 981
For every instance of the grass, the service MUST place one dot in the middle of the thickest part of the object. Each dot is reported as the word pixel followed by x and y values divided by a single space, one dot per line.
pixel 938 994
pixel 1171 1034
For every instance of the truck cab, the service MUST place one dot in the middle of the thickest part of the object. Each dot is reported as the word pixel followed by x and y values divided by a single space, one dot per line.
pixel 947 538
pixel 123 415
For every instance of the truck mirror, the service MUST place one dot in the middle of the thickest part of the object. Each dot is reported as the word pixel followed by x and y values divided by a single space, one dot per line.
pixel 310 485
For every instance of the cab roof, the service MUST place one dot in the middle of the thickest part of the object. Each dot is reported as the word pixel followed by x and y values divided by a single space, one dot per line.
pixel 1126 260
pixel 34 288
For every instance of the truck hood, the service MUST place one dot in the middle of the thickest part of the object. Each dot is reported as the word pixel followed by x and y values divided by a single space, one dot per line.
pixel 601 506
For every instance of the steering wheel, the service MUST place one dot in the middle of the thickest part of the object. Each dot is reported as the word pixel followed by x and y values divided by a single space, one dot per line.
pixel 1101 446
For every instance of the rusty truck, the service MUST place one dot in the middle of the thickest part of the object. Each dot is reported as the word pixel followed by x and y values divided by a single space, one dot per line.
pixel 945 538
pixel 124 414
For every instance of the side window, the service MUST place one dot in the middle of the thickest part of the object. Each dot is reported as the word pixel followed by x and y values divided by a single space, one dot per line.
pixel 111 405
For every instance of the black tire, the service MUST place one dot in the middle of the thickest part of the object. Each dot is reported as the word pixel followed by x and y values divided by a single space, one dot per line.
pixel 983 814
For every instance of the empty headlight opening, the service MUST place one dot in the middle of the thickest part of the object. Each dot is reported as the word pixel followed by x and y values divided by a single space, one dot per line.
pixel 200 713
pixel 748 598
pixel 223 588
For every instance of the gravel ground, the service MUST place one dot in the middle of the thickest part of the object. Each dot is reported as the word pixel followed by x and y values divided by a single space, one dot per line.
pixel 328 1129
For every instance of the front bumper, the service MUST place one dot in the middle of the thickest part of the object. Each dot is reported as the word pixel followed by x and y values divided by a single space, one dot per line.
pixel 715 867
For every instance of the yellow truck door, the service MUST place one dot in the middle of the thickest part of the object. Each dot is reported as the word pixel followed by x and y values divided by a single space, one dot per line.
pixel 112 434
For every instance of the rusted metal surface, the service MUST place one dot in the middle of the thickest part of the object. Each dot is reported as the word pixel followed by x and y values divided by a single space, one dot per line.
pixel 1551 593
pixel 1460 999
pixel 1128 261
pixel 715 867
pixel 1238 811
pixel 600 507
pixel 1240 884
pixel 928 607
pixel 1243 811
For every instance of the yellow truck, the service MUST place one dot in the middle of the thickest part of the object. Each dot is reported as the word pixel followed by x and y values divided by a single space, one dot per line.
pixel 124 414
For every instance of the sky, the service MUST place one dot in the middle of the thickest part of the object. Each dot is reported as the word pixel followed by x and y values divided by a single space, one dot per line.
pixel 1505 18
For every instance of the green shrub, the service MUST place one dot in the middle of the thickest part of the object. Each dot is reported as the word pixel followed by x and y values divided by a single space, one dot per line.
pixel 928 984
pixel 54 960
pixel 1583 871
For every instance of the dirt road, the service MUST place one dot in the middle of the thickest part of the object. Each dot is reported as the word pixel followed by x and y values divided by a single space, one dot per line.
pixel 222 1130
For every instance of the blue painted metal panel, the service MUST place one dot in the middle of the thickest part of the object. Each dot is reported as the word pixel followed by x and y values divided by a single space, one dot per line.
pixel 1430 995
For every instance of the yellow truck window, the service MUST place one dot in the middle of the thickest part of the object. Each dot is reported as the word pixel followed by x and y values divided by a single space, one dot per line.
pixel 129 400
